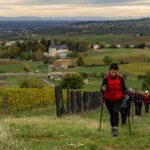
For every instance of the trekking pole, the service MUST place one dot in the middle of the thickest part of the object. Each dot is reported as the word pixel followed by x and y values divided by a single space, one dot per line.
pixel 132 109
pixel 101 114
pixel 129 123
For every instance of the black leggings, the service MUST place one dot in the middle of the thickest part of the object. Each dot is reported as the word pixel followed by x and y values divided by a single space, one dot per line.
pixel 146 107
pixel 114 108
pixel 138 107
pixel 125 112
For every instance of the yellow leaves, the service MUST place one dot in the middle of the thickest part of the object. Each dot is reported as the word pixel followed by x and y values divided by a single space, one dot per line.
pixel 26 98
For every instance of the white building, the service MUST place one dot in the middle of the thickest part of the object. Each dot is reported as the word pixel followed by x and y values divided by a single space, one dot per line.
pixel 57 50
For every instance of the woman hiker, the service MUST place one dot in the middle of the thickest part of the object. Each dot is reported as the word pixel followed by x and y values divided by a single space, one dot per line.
pixel 114 89
pixel 146 101
pixel 126 105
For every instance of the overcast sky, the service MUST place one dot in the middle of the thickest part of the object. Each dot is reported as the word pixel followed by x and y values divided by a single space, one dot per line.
pixel 75 8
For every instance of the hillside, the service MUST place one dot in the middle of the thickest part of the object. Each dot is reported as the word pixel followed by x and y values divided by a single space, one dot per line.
pixel 77 27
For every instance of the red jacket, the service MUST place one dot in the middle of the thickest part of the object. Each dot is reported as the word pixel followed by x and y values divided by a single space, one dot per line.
pixel 147 98
pixel 114 91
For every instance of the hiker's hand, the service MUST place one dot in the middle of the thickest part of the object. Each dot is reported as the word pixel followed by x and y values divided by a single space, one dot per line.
pixel 126 97
pixel 104 88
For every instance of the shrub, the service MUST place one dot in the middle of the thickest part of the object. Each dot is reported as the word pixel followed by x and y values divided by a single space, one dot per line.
pixel 26 68
pixel 73 54
pixel 84 74
pixel 107 60
pixel 80 62
pixel 72 82
pixel 32 84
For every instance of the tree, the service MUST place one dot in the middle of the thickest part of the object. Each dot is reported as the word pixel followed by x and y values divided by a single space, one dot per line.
pixel 146 82
pixel 48 60
pixel 113 45
pixel 102 45
pixel 82 46
pixel 73 54
pixel 108 60
pixel 80 62
pixel 141 45
pixel 39 55
pixel 72 82
pixel 27 55
pixel 43 41
pixel 14 51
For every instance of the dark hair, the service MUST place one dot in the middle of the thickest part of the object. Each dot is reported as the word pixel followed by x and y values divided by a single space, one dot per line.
pixel 114 66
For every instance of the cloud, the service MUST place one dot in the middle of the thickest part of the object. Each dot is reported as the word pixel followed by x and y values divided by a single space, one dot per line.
pixel 69 8
pixel 51 2
pixel 7 8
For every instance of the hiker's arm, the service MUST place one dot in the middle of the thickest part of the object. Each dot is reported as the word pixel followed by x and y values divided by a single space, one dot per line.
pixel 124 88
pixel 104 85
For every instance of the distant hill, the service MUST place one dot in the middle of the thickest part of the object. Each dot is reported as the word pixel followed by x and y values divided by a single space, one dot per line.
pixel 77 26
pixel 27 18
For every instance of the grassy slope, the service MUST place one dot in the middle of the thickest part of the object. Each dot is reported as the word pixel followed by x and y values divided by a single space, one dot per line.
pixel 42 130
pixel 130 55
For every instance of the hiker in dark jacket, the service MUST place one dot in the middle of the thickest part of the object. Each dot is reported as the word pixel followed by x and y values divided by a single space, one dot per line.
pixel 138 100
pixel 126 105
pixel 114 89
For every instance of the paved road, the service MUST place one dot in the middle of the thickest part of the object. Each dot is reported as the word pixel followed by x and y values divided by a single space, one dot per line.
pixel 22 74
pixel 49 83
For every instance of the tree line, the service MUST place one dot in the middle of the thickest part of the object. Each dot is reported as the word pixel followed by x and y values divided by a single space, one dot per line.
pixel 34 49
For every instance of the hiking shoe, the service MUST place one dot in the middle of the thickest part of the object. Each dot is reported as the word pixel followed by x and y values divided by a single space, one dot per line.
pixel 114 131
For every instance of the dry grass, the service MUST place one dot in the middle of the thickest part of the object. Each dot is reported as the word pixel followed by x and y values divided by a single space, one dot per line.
pixel 52 121
pixel 5 134
pixel 7 139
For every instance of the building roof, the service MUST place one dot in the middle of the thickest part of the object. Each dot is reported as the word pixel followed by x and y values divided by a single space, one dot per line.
pixel 58 47
pixel 63 60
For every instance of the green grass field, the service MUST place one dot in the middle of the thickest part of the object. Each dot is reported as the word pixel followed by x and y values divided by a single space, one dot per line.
pixel 18 66
pixel 40 129
pixel 120 54
pixel 137 57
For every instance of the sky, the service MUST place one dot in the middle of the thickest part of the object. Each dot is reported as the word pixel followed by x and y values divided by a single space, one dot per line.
pixel 75 8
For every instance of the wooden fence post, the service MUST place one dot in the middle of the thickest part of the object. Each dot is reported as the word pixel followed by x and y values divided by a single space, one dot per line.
pixel 68 101
pixel 57 100
pixel 72 102
pixel 86 101
pixel 79 101
pixel 94 100
pixel 91 100
pixel 62 109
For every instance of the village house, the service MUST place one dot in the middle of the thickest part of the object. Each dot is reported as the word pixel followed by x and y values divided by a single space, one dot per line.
pixel 55 75
pixel 95 46
pixel 107 46
pixel 10 43
pixel 61 63
pixel 131 46
pixel 118 46
pixel 57 50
